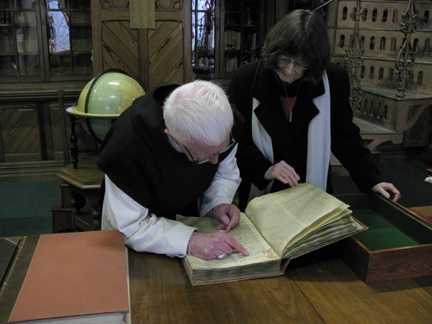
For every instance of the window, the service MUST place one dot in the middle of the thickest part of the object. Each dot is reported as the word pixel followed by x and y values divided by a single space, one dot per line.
pixel 203 34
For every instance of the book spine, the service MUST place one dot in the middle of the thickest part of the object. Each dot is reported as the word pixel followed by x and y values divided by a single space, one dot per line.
pixel 14 279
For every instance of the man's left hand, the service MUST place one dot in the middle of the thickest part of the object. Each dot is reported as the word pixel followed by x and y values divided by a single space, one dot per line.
pixel 228 214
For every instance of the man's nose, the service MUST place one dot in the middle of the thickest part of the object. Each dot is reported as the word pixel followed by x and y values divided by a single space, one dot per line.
pixel 214 159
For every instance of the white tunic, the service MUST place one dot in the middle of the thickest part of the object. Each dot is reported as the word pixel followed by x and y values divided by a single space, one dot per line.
pixel 147 232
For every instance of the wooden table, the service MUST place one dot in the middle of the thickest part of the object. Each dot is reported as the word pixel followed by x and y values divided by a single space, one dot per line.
pixel 313 292
pixel 424 212
pixel 310 291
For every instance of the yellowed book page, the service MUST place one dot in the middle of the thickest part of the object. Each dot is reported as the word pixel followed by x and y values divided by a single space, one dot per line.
pixel 281 216
pixel 330 232
pixel 339 213
pixel 246 233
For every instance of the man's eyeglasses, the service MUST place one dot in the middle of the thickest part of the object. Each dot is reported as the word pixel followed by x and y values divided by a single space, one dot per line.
pixel 284 62
pixel 207 159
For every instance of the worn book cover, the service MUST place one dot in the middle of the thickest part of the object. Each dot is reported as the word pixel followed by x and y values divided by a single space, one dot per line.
pixel 274 229
pixel 76 277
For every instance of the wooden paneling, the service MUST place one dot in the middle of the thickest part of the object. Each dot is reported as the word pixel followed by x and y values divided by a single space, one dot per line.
pixel 150 56
pixel 166 57
pixel 32 135
pixel 31 132
pixel 20 133
pixel 55 133
pixel 120 47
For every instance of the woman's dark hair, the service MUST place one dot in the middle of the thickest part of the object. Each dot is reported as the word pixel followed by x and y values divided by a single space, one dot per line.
pixel 301 33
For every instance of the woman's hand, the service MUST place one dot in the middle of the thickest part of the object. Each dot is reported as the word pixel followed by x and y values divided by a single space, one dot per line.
pixel 388 190
pixel 284 173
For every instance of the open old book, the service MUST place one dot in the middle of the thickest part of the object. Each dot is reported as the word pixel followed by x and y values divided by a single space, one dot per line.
pixel 274 229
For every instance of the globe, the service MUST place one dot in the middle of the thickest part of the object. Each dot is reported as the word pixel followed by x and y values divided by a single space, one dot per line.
pixel 103 99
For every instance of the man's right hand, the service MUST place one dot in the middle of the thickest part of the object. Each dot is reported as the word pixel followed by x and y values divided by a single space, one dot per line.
pixel 215 245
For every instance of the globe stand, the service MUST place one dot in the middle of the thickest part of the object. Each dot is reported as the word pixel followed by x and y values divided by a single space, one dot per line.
pixel 101 102
pixel 74 149
pixel 84 183
pixel 73 140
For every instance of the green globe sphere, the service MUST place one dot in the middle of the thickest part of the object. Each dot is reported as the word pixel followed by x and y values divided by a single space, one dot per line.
pixel 103 99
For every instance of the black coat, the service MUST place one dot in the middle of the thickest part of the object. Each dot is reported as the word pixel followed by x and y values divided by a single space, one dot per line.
pixel 290 139
pixel 137 156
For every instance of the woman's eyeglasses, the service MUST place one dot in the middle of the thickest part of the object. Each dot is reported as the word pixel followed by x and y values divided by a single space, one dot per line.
pixel 284 62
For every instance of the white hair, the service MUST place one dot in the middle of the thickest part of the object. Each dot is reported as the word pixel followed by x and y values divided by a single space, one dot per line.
pixel 198 112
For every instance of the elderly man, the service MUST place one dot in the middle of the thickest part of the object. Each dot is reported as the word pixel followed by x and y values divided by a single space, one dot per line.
pixel 173 152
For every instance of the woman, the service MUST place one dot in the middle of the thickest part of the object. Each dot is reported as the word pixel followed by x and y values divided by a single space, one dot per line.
pixel 297 111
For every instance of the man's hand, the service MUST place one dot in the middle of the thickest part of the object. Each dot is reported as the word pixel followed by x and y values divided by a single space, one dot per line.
pixel 284 173
pixel 388 190
pixel 215 245
pixel 228 214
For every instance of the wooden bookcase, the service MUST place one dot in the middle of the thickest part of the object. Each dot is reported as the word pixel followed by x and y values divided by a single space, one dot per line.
pixel 226 34
pixel 45 46
pixel 243 24
pixel 44 41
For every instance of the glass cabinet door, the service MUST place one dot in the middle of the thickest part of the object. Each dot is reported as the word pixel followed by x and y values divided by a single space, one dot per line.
pixel 19 44
pixel 226 34
pixel 7 42
pixel 45 40
pixel 68 26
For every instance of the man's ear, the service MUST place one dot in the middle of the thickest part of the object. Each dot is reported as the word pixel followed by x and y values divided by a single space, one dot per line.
pixel 166 131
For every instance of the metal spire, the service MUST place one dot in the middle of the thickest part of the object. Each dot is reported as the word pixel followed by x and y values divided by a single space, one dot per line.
pixel 353 60
pixel 405 57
